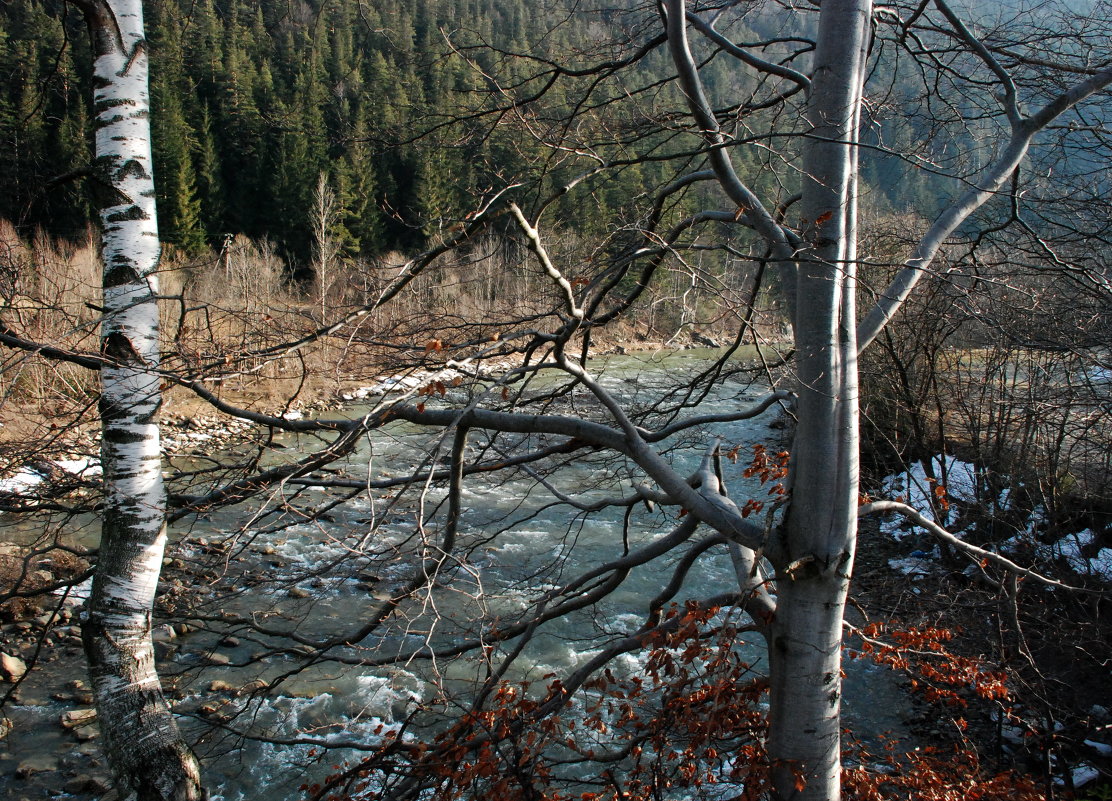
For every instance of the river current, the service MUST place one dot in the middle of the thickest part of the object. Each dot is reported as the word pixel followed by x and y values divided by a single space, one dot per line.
pixel 317 578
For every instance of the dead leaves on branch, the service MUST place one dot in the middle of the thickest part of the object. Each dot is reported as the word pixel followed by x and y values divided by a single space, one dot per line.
pixel 690 723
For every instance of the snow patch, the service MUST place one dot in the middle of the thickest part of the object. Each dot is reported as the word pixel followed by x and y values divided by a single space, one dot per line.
pixel 1082 551
pixel 32 475
pixel 916 489
pixel 1078 551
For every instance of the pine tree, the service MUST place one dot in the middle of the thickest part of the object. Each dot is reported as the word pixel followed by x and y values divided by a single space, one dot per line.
pixel 210 183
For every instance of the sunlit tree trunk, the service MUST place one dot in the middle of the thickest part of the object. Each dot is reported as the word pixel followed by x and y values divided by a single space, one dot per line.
pixel 149 759
pixel 816 553
pixel 814 547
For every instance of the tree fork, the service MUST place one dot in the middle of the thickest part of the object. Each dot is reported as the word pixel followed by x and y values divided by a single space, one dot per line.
pixel 815 559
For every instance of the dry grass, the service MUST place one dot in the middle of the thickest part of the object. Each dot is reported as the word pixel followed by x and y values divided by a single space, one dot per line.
pixel 48 292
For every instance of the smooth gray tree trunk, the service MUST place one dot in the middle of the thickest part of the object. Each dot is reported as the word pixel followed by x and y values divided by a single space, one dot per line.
pixel 140 737
pixel 813 549
pixel 814 558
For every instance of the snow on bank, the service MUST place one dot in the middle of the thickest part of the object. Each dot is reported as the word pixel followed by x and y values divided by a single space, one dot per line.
pixel 423 378
pixel 1082 553
pixel 959 481
pixel 33 474
pixel 1099 375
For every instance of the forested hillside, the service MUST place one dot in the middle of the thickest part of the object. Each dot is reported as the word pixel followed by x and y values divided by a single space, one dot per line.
pixel 253 101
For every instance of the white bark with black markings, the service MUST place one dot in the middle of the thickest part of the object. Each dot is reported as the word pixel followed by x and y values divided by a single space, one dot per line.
pixel 148 757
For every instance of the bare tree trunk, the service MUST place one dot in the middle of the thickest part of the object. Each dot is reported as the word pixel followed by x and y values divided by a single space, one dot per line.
pixel 324 216
pixel 140 737
pixel 816 555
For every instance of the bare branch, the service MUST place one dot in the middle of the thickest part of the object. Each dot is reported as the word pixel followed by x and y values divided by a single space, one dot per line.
pixel 881 507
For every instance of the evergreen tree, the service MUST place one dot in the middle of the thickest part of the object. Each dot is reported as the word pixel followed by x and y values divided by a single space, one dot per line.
pixel 253 100
pixel 210 182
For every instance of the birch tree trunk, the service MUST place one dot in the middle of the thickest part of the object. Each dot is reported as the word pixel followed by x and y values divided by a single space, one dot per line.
pixel 140 738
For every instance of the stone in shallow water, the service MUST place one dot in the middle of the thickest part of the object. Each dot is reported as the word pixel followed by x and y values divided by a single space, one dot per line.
pixel 95 785
pixel 12 668
pixel 40 763
pixel 86 733
pixel 74 718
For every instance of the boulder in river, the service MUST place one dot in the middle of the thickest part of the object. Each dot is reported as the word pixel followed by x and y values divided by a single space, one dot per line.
pixel 87 784
pixel 40 763
pixel 73 718
pixel 86 733
pixel 12 668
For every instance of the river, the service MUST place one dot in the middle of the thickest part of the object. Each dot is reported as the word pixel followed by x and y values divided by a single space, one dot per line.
pixel 267 562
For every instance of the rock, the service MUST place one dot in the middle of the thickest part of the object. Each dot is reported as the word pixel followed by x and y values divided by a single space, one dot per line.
pixel 218 659
pixel 84 783
pixel 163 633
pixel 230 642
pixel 40 763
pixel 86 733
pixel 73 718
pixel 220 687
pixel 12 668
pixel 252 687
pixel 297 592
pixel 6 727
